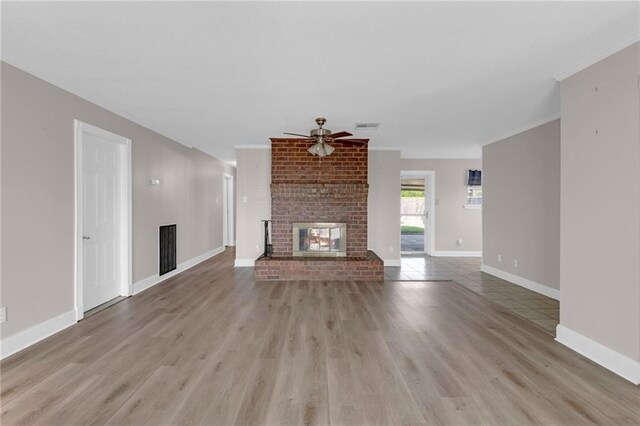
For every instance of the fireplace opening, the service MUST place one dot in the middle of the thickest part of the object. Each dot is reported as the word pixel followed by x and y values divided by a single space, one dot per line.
pixel 320 239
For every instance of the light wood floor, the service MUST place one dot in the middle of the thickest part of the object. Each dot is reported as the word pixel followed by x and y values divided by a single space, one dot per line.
pixel 210 346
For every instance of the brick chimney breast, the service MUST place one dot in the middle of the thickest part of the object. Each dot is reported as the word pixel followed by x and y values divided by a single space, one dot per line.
pixel 309 189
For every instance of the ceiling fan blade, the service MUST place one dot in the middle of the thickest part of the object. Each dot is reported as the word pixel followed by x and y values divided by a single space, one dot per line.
pixel 297 134
pixel 338 135
pixel 353 142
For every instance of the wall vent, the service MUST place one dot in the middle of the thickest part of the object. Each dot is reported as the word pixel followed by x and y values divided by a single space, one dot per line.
pixel 168 243
pixel 367 126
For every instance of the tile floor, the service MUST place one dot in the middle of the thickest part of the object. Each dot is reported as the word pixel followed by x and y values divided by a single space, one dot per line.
pixel 537 308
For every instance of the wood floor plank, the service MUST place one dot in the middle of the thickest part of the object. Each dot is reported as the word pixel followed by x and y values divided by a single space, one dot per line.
pixel 212 346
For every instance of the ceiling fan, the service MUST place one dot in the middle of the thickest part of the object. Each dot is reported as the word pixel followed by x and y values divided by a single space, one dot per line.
pixel 322 137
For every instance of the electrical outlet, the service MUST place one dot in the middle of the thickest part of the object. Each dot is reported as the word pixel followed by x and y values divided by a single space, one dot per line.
pixel 499 258
pixel 258 247
pixel 459 242
pixel 515 263
pixel 3 314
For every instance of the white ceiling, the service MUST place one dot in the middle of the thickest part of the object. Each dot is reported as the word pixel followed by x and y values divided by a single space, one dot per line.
pixel 442 78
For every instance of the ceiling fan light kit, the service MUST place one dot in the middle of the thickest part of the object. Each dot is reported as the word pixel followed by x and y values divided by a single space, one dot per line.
pixel 322 137
pixel 321 149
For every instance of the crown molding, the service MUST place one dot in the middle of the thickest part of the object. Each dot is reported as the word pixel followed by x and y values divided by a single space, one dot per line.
pixel 525 128
pixel 384 148
pixel 597 57
pixel 252 146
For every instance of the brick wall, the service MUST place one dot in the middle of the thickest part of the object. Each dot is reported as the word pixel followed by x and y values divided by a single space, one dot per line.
pixel 291 163
pixel 305 188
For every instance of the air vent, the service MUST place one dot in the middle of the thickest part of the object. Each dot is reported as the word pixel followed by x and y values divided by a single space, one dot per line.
pixel 367 126
pixel 168 244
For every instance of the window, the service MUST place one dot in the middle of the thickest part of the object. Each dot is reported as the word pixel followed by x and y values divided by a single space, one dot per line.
pixel 474 189
pixel 474 197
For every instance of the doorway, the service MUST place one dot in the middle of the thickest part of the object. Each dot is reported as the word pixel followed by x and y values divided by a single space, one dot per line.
pixel 416 212
pixel 103 217
pixel 228 226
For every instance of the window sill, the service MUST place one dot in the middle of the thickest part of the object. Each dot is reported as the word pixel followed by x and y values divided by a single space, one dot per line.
pixel 472 206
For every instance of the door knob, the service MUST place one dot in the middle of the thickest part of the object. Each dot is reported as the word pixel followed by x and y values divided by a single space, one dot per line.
pixel 86 238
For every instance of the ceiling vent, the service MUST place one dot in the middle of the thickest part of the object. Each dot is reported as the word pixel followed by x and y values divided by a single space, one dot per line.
pixel 367 126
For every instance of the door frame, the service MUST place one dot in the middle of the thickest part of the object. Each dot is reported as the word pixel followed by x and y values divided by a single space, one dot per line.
pixel 126 252
pixel 429 177
pixel 228 220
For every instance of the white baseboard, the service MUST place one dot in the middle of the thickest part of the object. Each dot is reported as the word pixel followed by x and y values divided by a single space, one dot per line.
pixel 19 341
pixel 522 282
pixel 242 263
pixel 456 253
pixel 622 365
pixel 155 279
pixel 392 262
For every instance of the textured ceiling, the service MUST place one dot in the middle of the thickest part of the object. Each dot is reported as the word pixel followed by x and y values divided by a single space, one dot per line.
pixel 442 78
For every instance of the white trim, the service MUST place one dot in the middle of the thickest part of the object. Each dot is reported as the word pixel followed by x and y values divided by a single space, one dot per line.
pixel 522 282
pixel 155 279
pixel 472 206
pixel 126 237
pixel 597 57
pixel 526 128
pixel 392 262
pixel 243 263
pixel 460 253
pixel 129 188
pixel 616 362
pixel 23 339
pixel 430 183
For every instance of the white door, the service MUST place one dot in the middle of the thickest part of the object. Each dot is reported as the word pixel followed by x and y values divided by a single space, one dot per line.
pixel 413 215
pixel 102 219
pixel 228 212
pixel 417 214
pixel 427 215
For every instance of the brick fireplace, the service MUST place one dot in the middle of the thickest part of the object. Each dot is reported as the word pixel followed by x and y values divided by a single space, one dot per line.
pixel 307 189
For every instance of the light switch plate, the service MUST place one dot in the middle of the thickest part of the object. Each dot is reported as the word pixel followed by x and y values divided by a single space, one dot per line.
pixel 3 314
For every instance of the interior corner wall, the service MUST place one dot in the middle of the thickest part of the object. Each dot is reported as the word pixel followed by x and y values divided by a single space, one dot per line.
pixel 38 196
pixel 521 205
pixel 253 189
pixel 384 205
pixel 600 203
pixel 453 221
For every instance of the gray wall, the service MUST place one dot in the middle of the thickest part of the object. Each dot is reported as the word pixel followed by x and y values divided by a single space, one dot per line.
pixel 253 189
pixel 600 203
pixel 521 204
pixel 38 196
pixel 384 205
pixel 253 185
pixel 452 220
